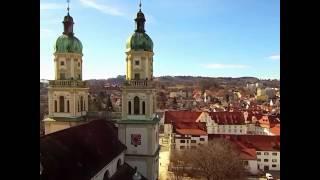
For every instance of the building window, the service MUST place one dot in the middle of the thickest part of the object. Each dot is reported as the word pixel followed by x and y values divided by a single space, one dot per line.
pixel 182 147
pixel 68 106
pixel 61 103
pixel 274 154
pixel 61 63
pixel 136 76
pixel 106 175
pixel 246 163
pixel 119 164
pixel 55 106
pixel 81 103
pixel 129 107
pixel 274 165
pixel 78 64
pixel 136 105
pixel 201 139
pixel 266 160
pixel 258 160
pixel 143 107
pixel 62 76
pixel 78 106
pixel 193 141
pixel 137 63
pixel 266 153
pixel 240 131
pixel 79 76
pixel 182 141
pixel 274 160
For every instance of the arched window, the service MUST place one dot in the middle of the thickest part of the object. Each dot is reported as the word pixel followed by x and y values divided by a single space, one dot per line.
pixel 55 106
pixel 106 175
pixel 143 107
pixel 119 164
pixel 129 107
pixel 61 103
pixel 68 106
pixel 136 105
pixel 81 103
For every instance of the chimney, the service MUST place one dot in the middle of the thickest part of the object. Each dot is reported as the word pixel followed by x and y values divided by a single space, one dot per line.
pixel 245 115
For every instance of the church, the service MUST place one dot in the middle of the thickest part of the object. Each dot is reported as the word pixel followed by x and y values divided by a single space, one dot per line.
pixel 136 144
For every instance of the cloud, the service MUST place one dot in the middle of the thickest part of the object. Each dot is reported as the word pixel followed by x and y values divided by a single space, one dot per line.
pixel 275 57
pixel 225 66
pixel 107 9
pixel 51 6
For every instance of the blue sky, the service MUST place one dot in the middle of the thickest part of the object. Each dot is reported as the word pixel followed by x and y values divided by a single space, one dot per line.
pixel 215 38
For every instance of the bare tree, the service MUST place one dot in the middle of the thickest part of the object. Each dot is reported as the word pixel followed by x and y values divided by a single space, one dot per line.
pixel 218 160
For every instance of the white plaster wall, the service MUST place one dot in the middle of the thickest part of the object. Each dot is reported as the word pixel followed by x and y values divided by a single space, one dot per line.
pixel 140 149
pixel 111 167
pixel 270 157
pixel 140 164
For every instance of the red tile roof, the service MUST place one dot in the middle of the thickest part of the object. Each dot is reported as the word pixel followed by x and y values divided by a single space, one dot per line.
pixel 227 117
pixel 275 130
pixel 181 116
pixel 190 132
pixel 258 142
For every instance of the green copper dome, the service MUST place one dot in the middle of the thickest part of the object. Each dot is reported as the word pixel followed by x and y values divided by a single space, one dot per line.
pixel 68 44
pixel 139 41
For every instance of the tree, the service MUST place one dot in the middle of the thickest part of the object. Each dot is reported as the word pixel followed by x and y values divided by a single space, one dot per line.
pixel 218 160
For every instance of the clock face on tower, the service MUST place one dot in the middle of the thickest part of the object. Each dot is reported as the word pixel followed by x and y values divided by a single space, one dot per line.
pixel 136 139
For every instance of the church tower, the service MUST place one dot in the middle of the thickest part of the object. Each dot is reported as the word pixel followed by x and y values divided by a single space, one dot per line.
pixel 67 93
pixel 138 128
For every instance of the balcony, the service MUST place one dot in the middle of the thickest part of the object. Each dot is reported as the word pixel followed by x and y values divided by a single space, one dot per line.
pixel 67 83
pixel 139 83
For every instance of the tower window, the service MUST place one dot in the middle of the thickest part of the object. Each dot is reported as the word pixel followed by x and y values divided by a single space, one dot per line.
pixel 137 63
pixel 81 103
pixel 136 105
pixel 79 76
pixel 78 64
pixel 68 106
pixel 61 103
pixel 129 107
pixel 143 107
pixel 62 63
pixel 55 106
pixel 136 76
pixel 62 76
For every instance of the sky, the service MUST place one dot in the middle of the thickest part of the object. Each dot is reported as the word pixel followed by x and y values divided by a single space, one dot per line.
pixel 211 38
